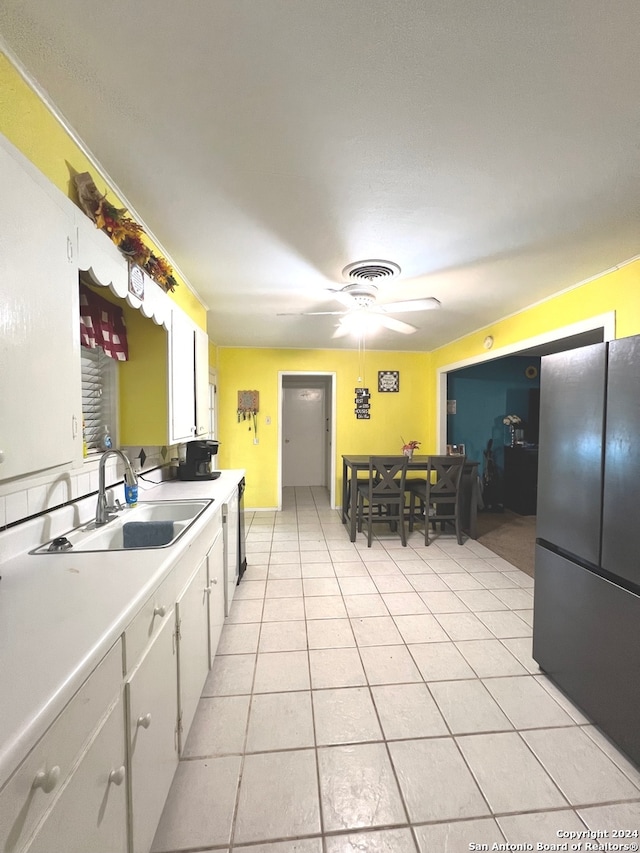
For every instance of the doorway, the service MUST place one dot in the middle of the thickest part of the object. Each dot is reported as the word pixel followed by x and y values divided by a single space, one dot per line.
pixel 306 434
pixel 510 534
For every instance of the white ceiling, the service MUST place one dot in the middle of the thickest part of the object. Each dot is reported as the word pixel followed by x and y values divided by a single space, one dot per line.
pixel 488 148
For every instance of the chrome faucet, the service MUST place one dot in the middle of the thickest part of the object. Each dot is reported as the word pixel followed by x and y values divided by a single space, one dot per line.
pixel 104 513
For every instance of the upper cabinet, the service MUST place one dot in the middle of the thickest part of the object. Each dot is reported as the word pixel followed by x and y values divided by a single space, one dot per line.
pixel 182 406
pixel 188 379
pixel 40 385
pixel 165 382
pixel 201 368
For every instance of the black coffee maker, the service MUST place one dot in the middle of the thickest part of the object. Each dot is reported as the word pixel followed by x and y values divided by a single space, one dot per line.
pixel 197 461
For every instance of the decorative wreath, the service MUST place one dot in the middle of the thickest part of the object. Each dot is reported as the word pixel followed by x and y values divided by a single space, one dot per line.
pixel 124 231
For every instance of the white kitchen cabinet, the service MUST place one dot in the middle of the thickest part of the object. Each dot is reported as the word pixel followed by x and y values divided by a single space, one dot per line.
pixel 188 379
pixel 192 612
pixel 201 367
pixel 34 787
pixel 230 521
pixel 41 415
pixel 182 426
pixel 216 593
pixel 91 811
pixel 152 711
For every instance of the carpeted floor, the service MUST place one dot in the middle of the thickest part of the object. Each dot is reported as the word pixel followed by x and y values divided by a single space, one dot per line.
pixel 511 536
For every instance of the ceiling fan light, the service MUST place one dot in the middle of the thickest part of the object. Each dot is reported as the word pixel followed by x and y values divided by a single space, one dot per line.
pixel 360 323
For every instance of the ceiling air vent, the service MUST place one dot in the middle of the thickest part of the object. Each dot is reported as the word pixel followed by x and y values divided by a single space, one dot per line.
pixel 370 271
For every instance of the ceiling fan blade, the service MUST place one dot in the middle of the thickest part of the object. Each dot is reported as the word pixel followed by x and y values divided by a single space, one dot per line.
pixel 341 331
pixel 310 313
pixel 396 325
pixel 426 304
pixel 345 298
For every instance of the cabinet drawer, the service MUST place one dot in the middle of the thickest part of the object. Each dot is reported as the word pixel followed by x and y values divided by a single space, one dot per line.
pixel 150 619
pixel 91 812
pixel 35 784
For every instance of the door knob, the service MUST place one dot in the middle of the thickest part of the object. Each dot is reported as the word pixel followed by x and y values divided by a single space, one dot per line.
pixel 47 780
pixel 117 776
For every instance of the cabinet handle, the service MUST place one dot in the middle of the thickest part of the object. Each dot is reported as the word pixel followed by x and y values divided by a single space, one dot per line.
pixel 144 721
pixel 212 583
pixel 159 610
pixel 47 780
pixel 117 776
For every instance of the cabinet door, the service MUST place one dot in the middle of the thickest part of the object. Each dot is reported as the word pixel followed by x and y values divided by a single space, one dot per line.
pixel 40 339
pixel 181 378
pixel 152 715
pixel 193 659
pixel 202 381
pixel 231 534
pixel 91 811
pixel 215 574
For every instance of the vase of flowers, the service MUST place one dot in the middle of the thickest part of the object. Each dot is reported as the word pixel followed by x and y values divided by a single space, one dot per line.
pixel 514 422
pixel 409 446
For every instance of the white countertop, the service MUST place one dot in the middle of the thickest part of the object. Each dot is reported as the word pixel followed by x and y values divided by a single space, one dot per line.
pixel 60 614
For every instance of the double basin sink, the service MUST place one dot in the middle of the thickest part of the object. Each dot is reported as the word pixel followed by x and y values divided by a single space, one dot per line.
pixel 152 524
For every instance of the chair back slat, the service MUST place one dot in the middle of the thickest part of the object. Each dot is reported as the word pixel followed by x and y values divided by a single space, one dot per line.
pixel 387 475
pixel 448 471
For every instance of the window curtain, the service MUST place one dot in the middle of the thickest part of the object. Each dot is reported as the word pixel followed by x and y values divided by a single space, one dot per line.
pixel 102 325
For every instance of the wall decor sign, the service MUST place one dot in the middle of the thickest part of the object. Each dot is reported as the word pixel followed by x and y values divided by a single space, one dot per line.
pixel 388 380
pixel 362 404
pixel 136 281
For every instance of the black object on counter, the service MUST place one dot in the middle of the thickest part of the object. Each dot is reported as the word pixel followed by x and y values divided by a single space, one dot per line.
pixel 197 464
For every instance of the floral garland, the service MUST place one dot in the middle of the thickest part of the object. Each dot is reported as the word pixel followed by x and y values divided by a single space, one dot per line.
pixel 124 232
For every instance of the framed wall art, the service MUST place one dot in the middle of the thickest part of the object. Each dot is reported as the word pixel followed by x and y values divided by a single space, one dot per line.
pixel 388 380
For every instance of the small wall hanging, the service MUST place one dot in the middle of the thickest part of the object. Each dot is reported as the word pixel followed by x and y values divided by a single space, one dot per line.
pixel 248 402
pixel 388 380
pixel 248 405
pixel 362 404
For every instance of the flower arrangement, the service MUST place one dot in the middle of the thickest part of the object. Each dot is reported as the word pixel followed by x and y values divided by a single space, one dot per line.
pixel 125 232
pixel 512 421
pixel 409 446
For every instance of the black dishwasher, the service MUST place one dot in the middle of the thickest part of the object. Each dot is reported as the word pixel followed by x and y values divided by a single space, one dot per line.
pixel 242 556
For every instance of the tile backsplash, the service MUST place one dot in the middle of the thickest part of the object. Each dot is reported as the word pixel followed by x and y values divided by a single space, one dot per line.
pixel 29 496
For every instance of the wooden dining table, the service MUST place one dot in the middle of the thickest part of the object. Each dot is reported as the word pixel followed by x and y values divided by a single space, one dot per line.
pixel 352 464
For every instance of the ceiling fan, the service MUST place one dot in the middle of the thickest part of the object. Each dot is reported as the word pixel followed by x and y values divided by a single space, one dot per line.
pixel 360 299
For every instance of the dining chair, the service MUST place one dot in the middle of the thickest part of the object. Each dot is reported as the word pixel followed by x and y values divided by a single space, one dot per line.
pixel 439 495
pixel 381 498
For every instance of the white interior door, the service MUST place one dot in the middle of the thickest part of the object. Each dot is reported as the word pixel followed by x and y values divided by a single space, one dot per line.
pixel 304 436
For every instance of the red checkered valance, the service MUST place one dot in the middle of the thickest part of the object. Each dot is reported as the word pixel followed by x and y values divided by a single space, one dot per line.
pixel 102 325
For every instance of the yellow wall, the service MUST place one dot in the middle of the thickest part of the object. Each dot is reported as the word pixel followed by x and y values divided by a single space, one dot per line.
pixel 393 415
pixel 29 125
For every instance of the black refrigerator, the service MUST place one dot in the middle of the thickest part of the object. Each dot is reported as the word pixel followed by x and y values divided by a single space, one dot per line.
pixel 586 633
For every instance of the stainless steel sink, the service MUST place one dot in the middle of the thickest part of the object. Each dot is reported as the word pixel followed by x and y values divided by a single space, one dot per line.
pixel 152 524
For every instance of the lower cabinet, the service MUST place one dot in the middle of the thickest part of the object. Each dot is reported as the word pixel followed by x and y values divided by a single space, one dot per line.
pixel 152 708
pixel 99 777
pixel 91 811
pixel 192 612
pixel 216 594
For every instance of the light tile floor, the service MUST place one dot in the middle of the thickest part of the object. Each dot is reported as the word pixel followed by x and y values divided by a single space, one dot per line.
pixel 385 700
